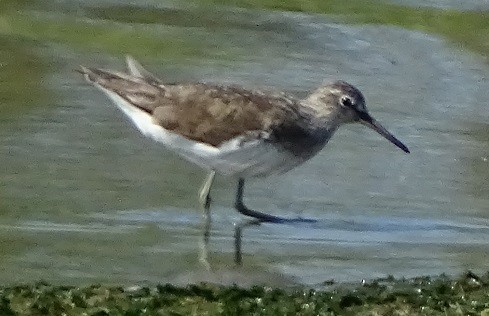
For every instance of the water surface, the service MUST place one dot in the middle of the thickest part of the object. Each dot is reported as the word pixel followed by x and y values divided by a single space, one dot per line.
pixel 85 198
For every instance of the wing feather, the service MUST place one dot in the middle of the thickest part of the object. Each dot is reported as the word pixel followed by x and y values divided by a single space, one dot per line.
pixel 207 113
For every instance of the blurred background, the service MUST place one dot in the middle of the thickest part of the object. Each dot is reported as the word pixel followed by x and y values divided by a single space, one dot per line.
pixel 85 198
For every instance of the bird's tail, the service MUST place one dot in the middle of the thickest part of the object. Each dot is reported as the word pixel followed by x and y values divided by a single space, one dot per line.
pixel 136 73
pixel 137 91
pixel 137 70
pixel 104 77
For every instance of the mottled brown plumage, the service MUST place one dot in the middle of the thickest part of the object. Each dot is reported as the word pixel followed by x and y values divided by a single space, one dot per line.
pixel 206 113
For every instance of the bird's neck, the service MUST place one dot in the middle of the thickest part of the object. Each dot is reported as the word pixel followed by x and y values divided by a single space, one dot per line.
pixel 323 120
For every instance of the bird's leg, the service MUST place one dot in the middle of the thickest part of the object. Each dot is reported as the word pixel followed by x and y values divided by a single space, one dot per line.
pixel 205 202
pixel 261 217
pixel 258 218
pixel 238 229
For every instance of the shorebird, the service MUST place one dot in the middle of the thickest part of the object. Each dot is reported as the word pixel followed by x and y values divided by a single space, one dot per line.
pixel 232 130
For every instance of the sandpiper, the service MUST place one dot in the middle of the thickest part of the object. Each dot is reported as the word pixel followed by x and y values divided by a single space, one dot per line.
pixel 231 130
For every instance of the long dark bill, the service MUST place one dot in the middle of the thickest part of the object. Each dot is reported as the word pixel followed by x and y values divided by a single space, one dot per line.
pixel 369 121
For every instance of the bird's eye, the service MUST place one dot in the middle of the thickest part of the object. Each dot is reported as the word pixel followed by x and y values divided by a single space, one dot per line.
pixel 346 101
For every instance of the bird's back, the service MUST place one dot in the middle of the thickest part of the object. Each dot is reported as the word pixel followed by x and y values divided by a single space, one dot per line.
pixel 206 113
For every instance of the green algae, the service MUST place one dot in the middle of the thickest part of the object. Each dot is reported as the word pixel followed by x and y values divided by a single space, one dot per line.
pixel 469 29
pixel 20 74
pixel 101 36
pixel 464 295
pixel 27 27
pixel 117 30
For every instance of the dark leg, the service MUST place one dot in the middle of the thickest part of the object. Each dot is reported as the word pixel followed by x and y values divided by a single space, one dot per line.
pixel 238 232
pixel 258 218
pixel 261 217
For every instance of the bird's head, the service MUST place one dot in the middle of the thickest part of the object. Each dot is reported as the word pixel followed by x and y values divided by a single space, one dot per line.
pixel 342 103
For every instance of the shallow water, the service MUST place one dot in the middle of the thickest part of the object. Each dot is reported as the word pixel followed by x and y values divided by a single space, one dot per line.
pixel 447 4
pixel 85 198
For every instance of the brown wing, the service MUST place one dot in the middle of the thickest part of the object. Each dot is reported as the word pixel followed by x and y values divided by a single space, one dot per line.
pixel 202 112
pixel 214 114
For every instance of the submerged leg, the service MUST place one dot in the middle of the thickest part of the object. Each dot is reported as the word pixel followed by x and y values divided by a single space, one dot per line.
pixel 261 217
pixel 238 232
pixel 258 218
pixel 205 202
